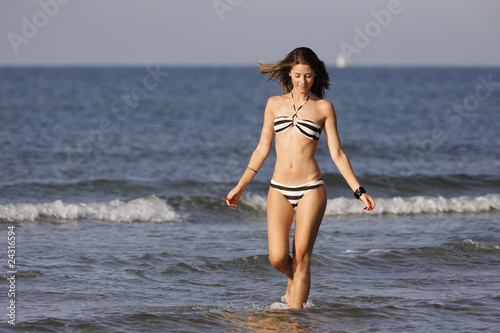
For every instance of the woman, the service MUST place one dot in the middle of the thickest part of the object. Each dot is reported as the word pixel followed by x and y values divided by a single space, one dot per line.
pixel 297 119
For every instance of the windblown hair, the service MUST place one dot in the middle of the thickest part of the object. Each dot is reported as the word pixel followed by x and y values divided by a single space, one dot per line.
pixel 302 55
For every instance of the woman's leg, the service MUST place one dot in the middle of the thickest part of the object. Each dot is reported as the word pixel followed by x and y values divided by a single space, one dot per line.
pixel 279 222
pixel 309 215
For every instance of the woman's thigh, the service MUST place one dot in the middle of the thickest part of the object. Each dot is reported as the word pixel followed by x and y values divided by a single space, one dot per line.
pixel 310 212
pixel 279 221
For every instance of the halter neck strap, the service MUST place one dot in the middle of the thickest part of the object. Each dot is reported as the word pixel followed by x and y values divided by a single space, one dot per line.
pixel 293 104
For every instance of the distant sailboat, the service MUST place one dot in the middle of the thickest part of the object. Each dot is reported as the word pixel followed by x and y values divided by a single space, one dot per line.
pixel 341 61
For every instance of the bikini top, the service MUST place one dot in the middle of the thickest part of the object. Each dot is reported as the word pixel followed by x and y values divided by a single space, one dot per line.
pixel 308 128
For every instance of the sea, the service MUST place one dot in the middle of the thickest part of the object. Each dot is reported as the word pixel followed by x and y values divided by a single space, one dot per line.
pixel 113 217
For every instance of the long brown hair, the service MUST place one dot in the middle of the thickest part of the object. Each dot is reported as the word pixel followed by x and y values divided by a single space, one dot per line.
pixel 302 55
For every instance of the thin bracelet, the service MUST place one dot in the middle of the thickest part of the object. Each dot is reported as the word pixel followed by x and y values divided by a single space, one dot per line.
pixel 252 169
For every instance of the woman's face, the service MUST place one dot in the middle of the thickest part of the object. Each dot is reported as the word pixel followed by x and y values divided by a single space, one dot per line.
pixel 302 78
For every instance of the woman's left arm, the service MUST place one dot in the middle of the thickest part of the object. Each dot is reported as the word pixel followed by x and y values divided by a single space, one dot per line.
pixel 338 156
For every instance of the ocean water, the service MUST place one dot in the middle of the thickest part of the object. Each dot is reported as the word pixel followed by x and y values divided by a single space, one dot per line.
pixel 113 180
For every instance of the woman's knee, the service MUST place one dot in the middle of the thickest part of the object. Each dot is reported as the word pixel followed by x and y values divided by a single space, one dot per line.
pixel 279 261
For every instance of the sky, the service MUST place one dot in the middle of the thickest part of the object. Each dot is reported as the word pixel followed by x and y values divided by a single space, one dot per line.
pixel 243 32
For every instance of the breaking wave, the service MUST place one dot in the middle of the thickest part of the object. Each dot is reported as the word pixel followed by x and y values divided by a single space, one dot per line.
pixel 143 209
pixel 401 206
pixel 154 209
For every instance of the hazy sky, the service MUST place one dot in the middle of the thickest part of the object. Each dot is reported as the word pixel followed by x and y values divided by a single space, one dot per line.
pixel 228 32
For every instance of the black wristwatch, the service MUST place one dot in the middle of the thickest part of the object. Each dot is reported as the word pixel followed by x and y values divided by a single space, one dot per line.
pixel 359 192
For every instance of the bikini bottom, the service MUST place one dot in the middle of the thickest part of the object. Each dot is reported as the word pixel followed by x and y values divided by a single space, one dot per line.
pixel 295 193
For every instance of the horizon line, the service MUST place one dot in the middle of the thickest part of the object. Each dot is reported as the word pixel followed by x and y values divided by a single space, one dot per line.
pixel 248 65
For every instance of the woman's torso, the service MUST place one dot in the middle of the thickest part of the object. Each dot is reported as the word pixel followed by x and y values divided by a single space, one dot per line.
pixel 296 144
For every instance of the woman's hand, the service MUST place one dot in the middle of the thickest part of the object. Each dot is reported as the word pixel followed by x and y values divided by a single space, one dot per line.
pixel 234 195
pixel 367 201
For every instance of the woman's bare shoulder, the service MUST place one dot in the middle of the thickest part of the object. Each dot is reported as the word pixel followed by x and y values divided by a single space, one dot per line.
pixel 276 102
pixel 277 99
pixel 325 107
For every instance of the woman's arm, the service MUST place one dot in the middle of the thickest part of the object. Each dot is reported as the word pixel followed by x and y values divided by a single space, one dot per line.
pixel 258 156
pixel 339 157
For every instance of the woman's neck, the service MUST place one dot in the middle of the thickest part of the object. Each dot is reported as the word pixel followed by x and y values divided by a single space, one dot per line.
pixel 300 97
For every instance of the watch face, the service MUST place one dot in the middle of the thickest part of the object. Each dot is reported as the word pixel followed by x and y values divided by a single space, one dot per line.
pixel 358 192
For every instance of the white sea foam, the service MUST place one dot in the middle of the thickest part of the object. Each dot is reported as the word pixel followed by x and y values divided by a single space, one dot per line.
pixel 401 206
pixel 284 306
pixel 145 209
pixel 477 246
pixel 257 202
pixel 278 306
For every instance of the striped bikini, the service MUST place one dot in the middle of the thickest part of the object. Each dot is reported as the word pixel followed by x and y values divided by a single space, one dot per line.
pixel 295 193
pixel 307 128
pixel 310 130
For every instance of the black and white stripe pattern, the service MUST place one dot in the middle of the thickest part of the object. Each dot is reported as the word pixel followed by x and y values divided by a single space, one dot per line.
pixel 294 193
pixel 309 129
pixel 282 123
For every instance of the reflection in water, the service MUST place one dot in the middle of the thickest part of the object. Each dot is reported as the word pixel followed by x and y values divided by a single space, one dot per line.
pixel 297 321
pixel 267 321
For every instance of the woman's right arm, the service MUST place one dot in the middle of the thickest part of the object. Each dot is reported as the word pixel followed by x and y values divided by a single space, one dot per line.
pixel 258 156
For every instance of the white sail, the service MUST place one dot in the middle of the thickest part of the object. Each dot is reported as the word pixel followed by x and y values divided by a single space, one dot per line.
pixel 341 61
